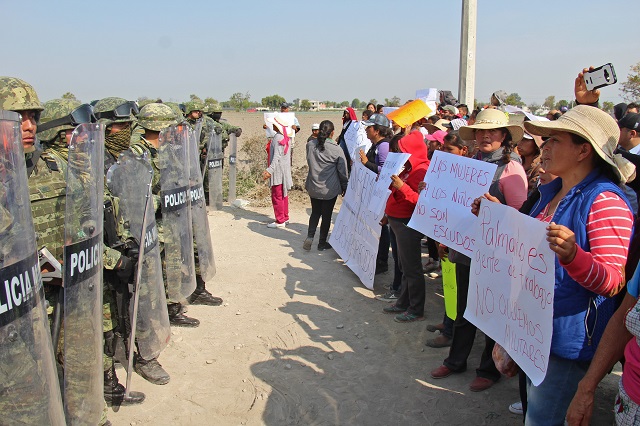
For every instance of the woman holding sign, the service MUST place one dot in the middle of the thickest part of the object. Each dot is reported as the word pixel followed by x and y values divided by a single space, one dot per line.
pixel 279 171
pixel 590 224
pixel 495 139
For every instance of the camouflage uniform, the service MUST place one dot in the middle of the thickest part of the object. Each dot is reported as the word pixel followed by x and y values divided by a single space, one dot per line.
pixel 26 395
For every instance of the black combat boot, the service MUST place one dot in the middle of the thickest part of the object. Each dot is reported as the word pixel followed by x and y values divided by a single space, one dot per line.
pixel 114 391
pixel 151 370
pixel 178 319
pixel 201 296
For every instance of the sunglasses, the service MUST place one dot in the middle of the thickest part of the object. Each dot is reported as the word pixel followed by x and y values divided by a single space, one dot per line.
pixel 124 110
pixel 82 114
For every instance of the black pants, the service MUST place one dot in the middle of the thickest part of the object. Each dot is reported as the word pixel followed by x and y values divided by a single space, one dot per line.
pixel 324 209
pixel 464 333
pixel 397 273
pixel 382 258
pixel 432 246
pixel 412 289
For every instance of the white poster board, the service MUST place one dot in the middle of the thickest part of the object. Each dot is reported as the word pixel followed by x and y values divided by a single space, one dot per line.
pixel 511 286
pixel 356 139
pixel 356 231
pixel 443 211
pixel 393 164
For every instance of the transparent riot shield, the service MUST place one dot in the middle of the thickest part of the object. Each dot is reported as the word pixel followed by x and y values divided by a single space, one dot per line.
pixel 233 152
pixel 129 180
pixel 83 366
pixel 215 159
pixel 173 161
pixel 29 388
pixel 205 259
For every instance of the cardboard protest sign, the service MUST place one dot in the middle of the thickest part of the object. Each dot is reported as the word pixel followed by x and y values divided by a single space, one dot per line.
pixel 511 286
pixel 409 113
pixel 449 288
pixel 269 130
pixel 393 164
pixel 356 232
pixel 356 139
pixel 443 211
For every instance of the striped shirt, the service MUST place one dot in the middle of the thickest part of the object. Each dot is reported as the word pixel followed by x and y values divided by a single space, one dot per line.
pixel 609 226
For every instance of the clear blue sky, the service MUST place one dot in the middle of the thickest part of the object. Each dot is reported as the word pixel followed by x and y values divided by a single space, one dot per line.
pixel 324 50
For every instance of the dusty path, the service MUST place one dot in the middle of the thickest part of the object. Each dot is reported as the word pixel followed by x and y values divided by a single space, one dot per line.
pixel 301 342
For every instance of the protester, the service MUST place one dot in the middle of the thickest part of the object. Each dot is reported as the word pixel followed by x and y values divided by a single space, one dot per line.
pixel 348 117
pixel 379 132
pixel 315 128
pixel 371 107
pixel 366 114
pixel 279 169
pixel 404 195
pixel 584 205
pixel 494 138
pixel 529 150
pixel 326 179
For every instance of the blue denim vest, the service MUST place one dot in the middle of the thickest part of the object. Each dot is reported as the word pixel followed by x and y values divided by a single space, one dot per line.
pixel 579 315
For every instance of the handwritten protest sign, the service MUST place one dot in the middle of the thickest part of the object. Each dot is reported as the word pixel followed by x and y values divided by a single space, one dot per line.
pixel 449 288
pixel 443 211
pixel 269 130
pixel 392 166
pixel 356 139
pixel 356 232
pixel 409 113
pixel 427 95
pixel 511 286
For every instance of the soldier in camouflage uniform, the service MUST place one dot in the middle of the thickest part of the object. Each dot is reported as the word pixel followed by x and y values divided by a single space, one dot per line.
pixel 214 111
pixel 57 125
pixel 153 118
pixel 21 369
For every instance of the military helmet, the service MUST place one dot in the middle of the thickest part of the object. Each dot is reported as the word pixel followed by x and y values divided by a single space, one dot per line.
pixel 55 109
pixel 18 95
pixel 157 117
pixel 115 110
pixel 176 110
pixel 194 105
pixel 212 108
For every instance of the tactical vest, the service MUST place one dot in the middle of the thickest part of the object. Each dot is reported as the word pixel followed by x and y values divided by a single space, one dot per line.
pixel 47 193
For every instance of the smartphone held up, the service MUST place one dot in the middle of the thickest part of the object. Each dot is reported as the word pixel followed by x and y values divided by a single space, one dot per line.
pixel 604 75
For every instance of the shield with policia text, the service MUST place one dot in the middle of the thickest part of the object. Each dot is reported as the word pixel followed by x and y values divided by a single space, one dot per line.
pixel 173 161
pixel 130 181
pixel 215 160
pixel 29 388
pixel 204 252
pixel 83 366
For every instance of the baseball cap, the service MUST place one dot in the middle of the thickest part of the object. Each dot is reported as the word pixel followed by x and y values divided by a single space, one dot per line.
pixel 455 124
pixel 315 126
pixel 379 119
pixel 437 136
pixel 451 109
pixel 630 121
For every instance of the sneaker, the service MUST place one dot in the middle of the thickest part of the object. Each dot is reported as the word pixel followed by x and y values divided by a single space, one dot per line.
pixel 277 225
pixel 408 317
pixel 324 246
pixel 390 296
pixel 307 244
pixel 516 408
pixel 393 309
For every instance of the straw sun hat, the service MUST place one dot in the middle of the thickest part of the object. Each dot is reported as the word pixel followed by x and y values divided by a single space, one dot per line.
pixel 491 119
pixel 595 126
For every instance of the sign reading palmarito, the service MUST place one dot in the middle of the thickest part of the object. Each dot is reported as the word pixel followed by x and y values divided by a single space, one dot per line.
pixel 356 232
pixel 511 285
pixel 443 211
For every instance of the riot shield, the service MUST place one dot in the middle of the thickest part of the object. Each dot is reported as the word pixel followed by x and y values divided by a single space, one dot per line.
pixel 83 367
pixel 215 159
pixel 129 180
pixel 233 152
pixel 175 203
pixel 206 261
pixel 29 388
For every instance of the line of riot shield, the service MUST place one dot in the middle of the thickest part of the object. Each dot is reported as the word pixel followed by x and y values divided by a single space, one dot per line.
pixel 233 152
pixel 29 388
pixel 173 158
pixel 204 247
pixel 128 180
pixel 83 366
pixel 215 160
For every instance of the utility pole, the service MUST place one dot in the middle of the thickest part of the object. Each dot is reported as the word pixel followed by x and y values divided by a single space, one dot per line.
pixel 467 74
